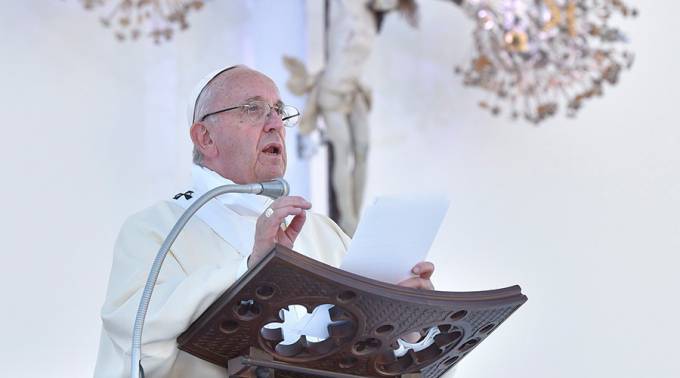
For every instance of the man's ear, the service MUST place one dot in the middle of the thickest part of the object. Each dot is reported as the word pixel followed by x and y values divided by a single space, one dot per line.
pixel 202 139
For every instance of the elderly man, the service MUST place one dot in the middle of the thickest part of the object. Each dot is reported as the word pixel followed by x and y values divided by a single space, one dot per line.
pixel 237 128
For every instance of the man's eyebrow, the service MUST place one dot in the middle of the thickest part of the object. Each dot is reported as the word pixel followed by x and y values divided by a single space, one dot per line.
pixel 260 98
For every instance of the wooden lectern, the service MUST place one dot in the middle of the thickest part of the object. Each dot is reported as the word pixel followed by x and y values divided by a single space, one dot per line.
pixel 368 317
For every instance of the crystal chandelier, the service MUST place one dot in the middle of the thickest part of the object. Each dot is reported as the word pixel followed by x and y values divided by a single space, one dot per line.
pixel 534 56
pixel 132 19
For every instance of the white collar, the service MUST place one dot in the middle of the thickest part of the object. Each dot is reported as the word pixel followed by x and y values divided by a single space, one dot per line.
pixel 203 180
pixel 232 216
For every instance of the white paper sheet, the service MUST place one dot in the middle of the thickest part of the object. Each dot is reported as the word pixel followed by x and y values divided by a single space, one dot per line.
pixel 393 236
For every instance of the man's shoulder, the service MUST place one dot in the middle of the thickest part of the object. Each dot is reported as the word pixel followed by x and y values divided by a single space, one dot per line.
pixel 159 210
pixel 161 215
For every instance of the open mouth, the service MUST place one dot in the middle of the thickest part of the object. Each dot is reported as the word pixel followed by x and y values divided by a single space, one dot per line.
pixel 272 149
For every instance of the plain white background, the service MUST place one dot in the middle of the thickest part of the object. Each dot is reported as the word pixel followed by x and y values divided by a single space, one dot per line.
pixel 583 214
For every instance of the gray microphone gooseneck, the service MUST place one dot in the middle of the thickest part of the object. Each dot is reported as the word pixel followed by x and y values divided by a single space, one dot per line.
pixel 273 189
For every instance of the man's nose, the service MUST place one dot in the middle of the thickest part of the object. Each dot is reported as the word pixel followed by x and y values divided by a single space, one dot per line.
pixel 272 121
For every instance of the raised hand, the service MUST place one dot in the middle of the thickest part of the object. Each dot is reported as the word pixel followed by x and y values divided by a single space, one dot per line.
pixel 269 229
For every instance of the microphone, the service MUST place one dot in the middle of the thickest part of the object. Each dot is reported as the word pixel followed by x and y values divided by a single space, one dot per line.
pixel 275 188
pixel 272 189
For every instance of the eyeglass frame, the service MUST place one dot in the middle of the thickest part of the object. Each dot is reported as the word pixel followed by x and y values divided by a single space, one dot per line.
pixel 280 106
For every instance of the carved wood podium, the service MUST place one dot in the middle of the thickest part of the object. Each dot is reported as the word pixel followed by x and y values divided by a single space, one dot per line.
pixel 368 317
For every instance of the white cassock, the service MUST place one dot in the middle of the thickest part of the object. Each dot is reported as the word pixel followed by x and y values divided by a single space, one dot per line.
pixel 208 256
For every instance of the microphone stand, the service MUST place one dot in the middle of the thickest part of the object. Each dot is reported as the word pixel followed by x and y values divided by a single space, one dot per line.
pixel 272 189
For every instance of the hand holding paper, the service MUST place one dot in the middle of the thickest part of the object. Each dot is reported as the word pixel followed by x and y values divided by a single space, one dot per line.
pixel 422 271
pixel 393 237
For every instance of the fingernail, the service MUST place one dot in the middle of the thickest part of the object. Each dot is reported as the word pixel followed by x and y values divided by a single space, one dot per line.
pixel 416 270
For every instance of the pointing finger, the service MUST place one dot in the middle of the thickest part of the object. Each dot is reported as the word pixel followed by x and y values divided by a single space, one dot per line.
pixel 296 201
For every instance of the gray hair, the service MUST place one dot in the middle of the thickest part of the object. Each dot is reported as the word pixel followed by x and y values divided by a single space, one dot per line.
pixel 197 157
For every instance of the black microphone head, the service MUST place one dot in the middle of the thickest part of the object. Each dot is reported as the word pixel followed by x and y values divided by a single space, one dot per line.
pixel 275 188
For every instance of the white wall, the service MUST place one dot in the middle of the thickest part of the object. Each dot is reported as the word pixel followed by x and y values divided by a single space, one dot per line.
pixel 95 130
pixel 583 214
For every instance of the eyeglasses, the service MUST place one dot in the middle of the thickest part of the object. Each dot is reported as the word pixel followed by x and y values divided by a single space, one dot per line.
pixel 256 112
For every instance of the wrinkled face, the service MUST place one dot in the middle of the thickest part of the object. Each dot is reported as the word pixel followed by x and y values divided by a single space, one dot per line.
pixel 245 152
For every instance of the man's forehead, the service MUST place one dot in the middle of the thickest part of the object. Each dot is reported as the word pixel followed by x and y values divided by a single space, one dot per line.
pixel 243 84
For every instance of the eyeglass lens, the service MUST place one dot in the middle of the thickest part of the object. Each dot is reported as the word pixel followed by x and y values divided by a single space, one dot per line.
pixel 257 111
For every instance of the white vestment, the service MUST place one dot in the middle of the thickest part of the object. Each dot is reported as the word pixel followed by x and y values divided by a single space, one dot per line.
pixel 200 266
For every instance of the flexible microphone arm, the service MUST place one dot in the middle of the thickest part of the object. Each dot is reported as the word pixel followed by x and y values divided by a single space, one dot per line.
pixel 273 189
